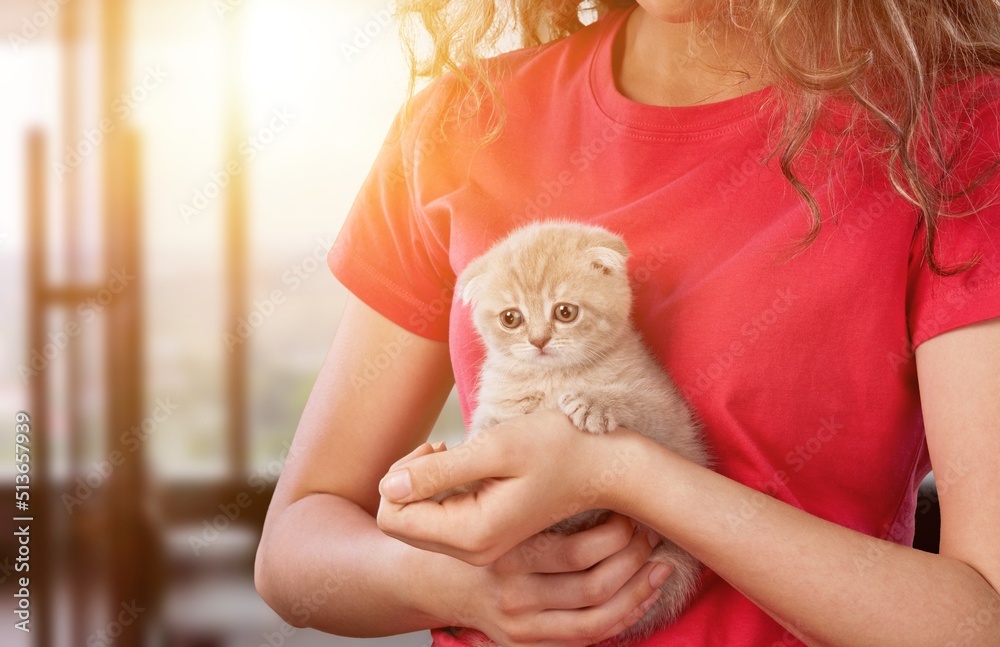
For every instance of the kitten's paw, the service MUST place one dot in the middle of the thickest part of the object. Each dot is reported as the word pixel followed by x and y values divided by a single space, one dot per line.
pixel 587 414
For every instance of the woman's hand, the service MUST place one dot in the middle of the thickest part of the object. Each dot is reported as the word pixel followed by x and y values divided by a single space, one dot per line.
pixel 569 590
pixel 534 470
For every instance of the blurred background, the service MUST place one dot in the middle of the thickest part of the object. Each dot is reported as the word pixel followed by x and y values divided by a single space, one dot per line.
pixel 171 176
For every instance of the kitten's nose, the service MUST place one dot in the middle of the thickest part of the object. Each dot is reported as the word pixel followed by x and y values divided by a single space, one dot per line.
pixel 539 342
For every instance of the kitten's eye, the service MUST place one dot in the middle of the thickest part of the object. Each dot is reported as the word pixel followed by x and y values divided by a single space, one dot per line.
pixel 511 319
pixel 566 312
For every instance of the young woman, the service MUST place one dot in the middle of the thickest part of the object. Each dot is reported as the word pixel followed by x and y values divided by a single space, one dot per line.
pixel 809 193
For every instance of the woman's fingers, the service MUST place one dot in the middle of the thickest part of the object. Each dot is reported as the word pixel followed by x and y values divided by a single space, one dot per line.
pixel 420 450
pixel 632 618
pixel 593 624
pixel 526 473
pixel 431 472
pixel 551 552
pixel 461 526
pixel 598 584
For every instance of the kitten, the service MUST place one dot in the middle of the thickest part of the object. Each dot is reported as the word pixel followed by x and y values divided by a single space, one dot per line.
pixel 552 302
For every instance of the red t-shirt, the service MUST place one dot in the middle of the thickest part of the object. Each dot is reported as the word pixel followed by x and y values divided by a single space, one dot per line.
pixel 801 369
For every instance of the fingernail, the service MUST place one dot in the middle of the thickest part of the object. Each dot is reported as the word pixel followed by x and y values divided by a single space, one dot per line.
pixel 659 575
pixel 654 539
pixel 439 446
pixel 396 485
pixel 418 449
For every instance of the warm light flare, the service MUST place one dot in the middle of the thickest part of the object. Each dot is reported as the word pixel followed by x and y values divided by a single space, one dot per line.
pixel 279 55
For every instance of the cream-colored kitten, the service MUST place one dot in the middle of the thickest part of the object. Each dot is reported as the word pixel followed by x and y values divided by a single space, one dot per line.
pixel 552 302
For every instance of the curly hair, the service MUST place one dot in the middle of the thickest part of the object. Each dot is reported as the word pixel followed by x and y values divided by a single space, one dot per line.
pixel 884 60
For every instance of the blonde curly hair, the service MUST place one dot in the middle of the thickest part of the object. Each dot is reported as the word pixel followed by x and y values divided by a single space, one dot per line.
pixel 886 60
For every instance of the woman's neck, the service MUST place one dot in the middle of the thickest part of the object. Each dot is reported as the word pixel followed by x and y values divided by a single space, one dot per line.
pixel 676 64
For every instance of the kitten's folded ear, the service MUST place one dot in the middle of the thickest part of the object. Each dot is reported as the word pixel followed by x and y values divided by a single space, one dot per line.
pixel 608 257
pixel 467 284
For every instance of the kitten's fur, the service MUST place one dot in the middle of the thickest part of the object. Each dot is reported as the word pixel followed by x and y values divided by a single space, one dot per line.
pixel 595 368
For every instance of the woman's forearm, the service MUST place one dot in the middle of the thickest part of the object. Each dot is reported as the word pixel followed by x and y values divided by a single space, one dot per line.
pixel 325 564
pixel 827 584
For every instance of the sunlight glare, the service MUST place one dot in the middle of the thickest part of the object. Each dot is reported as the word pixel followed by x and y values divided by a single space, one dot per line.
pixel 279 55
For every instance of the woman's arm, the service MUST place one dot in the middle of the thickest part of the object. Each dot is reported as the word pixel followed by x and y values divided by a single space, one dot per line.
pixel 833 586
pixel 319 535
pixel 323 563
pixel 827 584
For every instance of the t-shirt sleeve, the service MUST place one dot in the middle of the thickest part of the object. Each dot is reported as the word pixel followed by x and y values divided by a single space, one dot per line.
pixel 389 253
pixel 936 303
